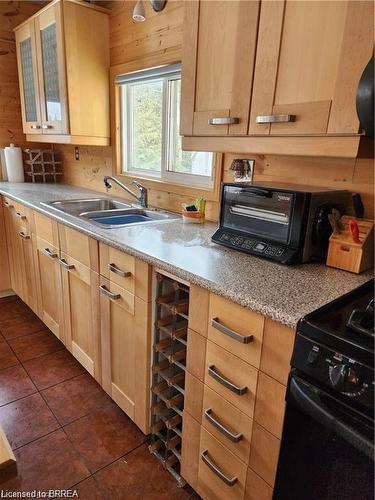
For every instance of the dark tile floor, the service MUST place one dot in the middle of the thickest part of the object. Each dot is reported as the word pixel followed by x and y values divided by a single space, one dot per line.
pixel 65 431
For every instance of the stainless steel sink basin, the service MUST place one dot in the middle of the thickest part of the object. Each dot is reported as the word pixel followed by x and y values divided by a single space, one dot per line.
pixel 76 207
pixel 109 213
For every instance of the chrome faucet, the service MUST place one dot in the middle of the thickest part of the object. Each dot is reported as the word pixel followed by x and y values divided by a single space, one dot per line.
pixel 142 198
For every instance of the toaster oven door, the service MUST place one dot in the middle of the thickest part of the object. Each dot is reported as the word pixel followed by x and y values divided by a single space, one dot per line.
pixel 264 213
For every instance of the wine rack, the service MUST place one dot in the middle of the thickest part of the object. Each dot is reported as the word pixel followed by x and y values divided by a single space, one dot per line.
pixel 168 372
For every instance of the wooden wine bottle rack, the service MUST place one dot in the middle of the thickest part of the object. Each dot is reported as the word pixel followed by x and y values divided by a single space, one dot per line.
pixel 168 372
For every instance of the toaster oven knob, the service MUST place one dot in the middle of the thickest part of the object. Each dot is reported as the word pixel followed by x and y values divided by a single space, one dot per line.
pixel 343 378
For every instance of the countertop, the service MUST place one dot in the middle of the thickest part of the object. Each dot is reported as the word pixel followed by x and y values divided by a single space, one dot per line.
pixel 282 293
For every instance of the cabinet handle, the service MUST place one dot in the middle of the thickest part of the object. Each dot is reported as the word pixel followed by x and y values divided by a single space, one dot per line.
pixel 20 216
pixel 35 127
pixel 223 120
pixel 107 293
pixel 231 333
pixel 225 382
pixel 220 427
pixel 275 118
pixel 116 270
pixel 49 254
pixel 230 481
pixel 45 127
pixel 24 236
pixel 7 204
pixel 67 266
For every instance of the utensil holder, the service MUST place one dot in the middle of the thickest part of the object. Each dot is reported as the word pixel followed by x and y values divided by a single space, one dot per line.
pixel 344 253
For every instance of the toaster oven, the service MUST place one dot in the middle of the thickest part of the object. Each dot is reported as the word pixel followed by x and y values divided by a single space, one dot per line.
pixel 282 222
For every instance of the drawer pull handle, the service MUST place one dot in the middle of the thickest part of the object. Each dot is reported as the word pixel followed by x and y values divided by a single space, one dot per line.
pixel 244 339
pixel 45 127
pixel 7 204
pixel 116 270
pixel 223 120
pixel 275 118
pixel 67 266
pixel 230 481
pixel 35 127
pixel 225 382
pixel 20 216
pixel 49 254
pixel 24 236
pixel 220 427
pixel 107 293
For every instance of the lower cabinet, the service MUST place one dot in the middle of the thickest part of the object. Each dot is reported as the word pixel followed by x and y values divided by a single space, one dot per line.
pixel 125 349
pixel 80 287
pixel 49 288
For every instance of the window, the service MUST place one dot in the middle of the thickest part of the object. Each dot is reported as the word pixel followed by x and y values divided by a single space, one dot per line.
pixel 150 139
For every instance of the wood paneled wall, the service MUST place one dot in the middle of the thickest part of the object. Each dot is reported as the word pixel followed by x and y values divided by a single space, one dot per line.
pixel 162 33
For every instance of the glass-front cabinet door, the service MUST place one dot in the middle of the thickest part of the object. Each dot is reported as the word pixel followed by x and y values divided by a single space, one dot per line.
pixel 51 70
pixel 28 78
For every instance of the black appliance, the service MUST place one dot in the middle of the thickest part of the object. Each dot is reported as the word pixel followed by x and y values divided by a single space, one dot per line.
pixel 282 222
pixel 365 99
pixel 327 445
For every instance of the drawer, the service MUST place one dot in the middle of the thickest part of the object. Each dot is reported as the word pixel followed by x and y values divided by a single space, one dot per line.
pixel 46 248
pixel 264 454
pixel 118 267
pixel 23 217
pixel 80 247
pixel 116 294
pixel 232 378
pixel 256 488
pixel 46 229
pixel 221 475
pixel 227 424
pixel 236 329
pixel 76 268
pixel 270 404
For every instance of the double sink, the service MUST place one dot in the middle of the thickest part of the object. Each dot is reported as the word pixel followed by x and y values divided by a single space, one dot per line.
pixel 109 213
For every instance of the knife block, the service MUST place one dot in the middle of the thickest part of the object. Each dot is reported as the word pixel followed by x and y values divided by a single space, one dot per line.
pixel 344 253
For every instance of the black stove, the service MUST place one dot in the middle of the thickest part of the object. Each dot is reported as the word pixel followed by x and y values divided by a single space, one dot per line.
pixel 327 446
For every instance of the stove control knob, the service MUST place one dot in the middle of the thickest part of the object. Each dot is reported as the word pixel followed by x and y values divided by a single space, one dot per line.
pixel 343 378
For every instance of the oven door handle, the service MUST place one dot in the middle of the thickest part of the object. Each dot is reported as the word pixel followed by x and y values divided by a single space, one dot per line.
pixel 310 402
pixel 264 193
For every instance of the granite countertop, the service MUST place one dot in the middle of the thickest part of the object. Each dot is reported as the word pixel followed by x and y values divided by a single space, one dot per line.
pixel 282 293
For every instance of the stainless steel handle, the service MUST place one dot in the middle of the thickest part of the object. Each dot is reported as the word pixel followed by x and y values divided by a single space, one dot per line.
pixel 225 382
pixel 7 205
pixel 275 118
pixel 124 274
pixel 230 481
pixel 67 266
pixel 107 293
pixel 220 427
pixel 24 236
pixel 49 254
pixel 223 120
pixel 35 127
pixel 244 339
pixel 45 127
pixel 20 216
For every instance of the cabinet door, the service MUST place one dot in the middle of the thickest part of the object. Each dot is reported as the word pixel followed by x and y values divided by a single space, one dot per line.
pixel 5 283
pixel 48 282
pixel 81 313
pixel 28 269
pixel 217 67
pixel 310 56
pixel 28 78
pixel 125 346
pixel 51 70
pixel 14 248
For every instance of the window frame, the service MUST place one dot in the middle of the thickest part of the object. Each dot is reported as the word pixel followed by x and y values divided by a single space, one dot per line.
pixel 126 139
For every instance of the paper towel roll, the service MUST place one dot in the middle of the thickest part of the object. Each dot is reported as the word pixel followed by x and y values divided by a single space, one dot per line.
pixel 14 163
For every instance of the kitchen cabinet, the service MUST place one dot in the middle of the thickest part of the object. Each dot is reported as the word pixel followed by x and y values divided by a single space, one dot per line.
pixel 5 283
pixel 63 62
pixel 126 333
pixel 266 71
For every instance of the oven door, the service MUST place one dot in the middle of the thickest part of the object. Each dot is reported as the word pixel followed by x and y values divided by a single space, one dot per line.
pixel 326 449
pixel 267 214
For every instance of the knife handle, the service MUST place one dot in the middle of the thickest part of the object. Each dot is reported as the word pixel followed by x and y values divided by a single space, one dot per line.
pixel 354 231
pixel 358 205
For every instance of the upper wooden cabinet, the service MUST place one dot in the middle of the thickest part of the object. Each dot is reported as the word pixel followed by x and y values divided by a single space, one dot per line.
pixel 263 71
pixel 63 62
pixel 219 53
